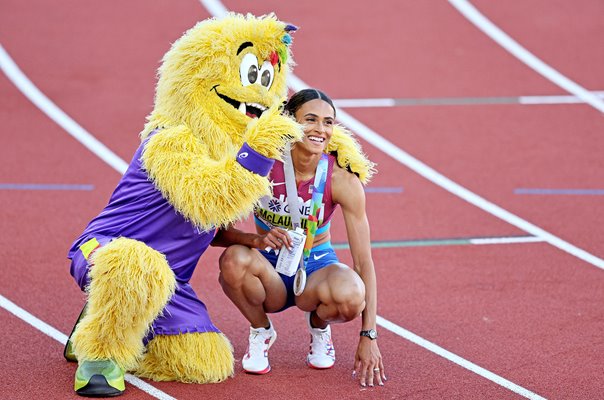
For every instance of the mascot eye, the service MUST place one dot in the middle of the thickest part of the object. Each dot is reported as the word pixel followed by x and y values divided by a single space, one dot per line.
pixel 249 69
pixel 267 73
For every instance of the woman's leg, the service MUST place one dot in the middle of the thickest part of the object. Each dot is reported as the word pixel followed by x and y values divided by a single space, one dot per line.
pixel 334 293
pixel 253 285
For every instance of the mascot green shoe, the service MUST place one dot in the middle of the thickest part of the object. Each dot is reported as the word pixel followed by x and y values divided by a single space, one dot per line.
pixel 99 379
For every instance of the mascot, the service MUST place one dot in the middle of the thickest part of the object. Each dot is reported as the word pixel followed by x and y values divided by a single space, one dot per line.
pixel 210 141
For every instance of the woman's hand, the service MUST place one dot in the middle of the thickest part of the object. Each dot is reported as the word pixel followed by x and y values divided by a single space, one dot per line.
pixel 275 239
pixel 368 365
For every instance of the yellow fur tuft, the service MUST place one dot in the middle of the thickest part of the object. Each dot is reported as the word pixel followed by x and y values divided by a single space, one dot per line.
pixel 349 154
pixel 130 285
pixel 189 357
pixel 263 131
pixel 205 191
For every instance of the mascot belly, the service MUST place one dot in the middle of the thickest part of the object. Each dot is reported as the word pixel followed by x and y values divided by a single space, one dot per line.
pixel 205 152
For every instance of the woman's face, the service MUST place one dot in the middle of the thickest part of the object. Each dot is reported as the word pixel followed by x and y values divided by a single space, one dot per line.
pixel 317 118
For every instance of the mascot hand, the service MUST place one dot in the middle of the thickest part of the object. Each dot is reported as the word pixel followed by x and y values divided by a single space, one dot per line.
pixel 269 133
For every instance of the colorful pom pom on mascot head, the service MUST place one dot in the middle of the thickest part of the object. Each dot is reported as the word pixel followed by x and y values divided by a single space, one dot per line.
pixel 206 149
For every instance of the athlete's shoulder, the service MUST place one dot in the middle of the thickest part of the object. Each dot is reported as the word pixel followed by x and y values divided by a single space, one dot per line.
pixel 345 185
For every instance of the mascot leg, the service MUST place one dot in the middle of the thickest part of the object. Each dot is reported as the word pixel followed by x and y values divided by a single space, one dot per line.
pixel 189 357
pixel 130 284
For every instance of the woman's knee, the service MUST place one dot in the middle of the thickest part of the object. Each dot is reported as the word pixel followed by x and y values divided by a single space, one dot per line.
pixel 234 263
pixel 348 291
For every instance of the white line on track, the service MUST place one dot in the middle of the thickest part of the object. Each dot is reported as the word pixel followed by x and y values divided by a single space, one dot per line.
pixel 506 240
pixel 505 41
pixel 398 102
pixel 49 108
pixel 418 340
pixel 62 338
pixel 358 103
pixel 555 99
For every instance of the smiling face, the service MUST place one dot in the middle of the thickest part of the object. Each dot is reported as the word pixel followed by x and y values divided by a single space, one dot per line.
pixel 223 73
pixel 252 71
pixel 317 117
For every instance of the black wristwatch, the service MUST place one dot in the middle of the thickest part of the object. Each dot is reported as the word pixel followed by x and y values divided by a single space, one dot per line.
pixel 371 334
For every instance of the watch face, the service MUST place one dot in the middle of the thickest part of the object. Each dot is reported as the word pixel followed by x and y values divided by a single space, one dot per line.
pixel 371 334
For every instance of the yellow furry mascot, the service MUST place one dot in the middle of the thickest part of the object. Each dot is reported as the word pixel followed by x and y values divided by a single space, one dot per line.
pixel 206 149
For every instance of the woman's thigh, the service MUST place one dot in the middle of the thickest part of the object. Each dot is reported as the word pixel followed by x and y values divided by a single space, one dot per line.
pixel 274 287
pixel 329 285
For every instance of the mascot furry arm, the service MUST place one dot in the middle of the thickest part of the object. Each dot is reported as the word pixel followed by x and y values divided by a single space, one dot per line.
pixel 214 190
pixel 208 144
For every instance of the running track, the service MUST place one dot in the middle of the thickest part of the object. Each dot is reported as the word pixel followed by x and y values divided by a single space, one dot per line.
pixel 529 314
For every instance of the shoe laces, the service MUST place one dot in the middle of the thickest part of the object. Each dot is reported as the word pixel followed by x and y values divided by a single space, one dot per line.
pixel 258 342
pixel 320 341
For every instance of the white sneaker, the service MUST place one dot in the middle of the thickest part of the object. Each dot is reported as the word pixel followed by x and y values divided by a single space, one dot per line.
pixel 255 361
pixel 322 354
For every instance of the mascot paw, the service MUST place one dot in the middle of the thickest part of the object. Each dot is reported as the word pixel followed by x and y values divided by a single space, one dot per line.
pixel 269 134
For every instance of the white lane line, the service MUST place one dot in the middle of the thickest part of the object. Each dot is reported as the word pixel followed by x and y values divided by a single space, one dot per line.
pixel 49 108
pixel 62 338
pixel 362 103
pixel 418 340
pixel 505 41
pixel 506 240
pixel 555 99
pixel 33 321
pixel 457 101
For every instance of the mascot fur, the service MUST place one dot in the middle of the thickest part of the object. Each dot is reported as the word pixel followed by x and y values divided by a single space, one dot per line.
pixel 205 152
pixel 211 139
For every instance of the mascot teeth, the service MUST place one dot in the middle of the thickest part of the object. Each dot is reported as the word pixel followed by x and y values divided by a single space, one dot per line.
pixel 252 110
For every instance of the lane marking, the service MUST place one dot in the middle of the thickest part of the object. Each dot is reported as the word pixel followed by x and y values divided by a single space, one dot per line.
pixel 580 192
pixel 462 362
pixel 459 101
pixel 506 240
pixel 42 186
pixel 509 44
pixel 29 90
pixel 445 242
pixel 384 189
pixel 376 102
pixel 555 99
pixel 62 338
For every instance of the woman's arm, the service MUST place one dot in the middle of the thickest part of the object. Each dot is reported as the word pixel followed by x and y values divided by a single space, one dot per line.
pixel 231 235
pixel 348 191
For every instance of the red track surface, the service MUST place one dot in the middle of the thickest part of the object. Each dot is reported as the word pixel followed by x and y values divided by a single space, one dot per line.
pixel 527 312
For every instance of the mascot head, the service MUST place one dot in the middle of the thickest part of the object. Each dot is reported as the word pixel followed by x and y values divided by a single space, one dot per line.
pixel 222 73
